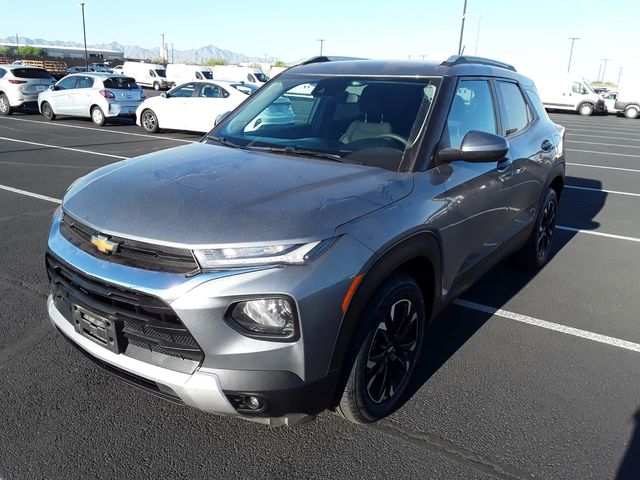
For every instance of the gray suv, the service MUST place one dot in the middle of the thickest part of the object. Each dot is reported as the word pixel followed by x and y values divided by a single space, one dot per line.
pixel 271 273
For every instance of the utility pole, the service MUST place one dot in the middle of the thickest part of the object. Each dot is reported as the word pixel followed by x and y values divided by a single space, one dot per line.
pixel 619 77
pixel 464 14
pixel 478 35
pixel 17 42
pixel 604 67
pixel 423 57
pixel 599 72
pixel 321 40
pixel 163 49
pixel 84 33
pixel 172 57
pixel 573 40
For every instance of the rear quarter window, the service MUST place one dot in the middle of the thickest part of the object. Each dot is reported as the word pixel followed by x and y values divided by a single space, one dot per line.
pixel 514 113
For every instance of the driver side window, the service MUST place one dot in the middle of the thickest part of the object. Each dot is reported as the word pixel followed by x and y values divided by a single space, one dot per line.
pixel 183 91
pixel 471 109
pixel 576 88
pixel 152 73
pixel 67 83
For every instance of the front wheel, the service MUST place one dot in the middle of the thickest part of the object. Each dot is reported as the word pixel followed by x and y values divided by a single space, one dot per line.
pixel 537 250
pixel 149 121
pixel 47 111
pixel 386 348
pixel 632 112
pixel 156 86
pixel 97 116
pixel 5 106
pixel 586 109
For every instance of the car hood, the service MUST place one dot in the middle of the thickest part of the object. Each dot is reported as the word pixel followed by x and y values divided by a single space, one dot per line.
pixel 202 194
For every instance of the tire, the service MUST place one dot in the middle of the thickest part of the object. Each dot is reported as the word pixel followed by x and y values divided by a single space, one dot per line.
pixel 97 116
pixel 586 109
pixel 47 111
pixel 535 253
pixel 5 106
pixel 156 86
pixel 149 121
pixel 632 112
pixel 367 397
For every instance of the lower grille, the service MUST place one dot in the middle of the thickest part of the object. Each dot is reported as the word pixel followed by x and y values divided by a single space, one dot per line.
pixel 142 320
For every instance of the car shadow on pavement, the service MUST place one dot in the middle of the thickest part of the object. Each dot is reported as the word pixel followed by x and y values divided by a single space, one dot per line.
pixel 456 325
pixel 630 466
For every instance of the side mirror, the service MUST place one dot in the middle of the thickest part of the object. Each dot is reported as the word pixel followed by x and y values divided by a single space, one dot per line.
pixel 477 147
pixel 52 87
pixel 164 95
pixel 220 118
pixel 584 91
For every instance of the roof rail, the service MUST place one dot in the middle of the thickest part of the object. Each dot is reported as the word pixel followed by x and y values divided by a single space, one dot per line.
pixel 325 58
pixel 470 59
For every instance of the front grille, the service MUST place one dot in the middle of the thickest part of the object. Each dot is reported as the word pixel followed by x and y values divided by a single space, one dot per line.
pixel 142 320
pixel 129 252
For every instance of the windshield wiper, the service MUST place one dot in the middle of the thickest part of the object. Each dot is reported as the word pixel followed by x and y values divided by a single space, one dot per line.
pixel 223 141
pixel 303 153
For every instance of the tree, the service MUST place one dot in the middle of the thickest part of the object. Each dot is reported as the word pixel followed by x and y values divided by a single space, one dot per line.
pixel 280 63
pixel 215 61
pixel 30 51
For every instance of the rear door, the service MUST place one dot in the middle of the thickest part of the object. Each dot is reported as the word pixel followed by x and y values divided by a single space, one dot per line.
pixel 477 200
pixel 62 96
pixel 81 95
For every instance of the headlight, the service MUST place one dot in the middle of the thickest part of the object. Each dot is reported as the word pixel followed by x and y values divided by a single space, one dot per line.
pixel 266 317
pixel 269 255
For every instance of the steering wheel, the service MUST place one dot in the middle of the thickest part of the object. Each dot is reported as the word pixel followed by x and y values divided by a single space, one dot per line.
pixel 396 137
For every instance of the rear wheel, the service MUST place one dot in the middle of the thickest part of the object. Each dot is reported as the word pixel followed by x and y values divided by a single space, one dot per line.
pixel 47 111
pixel 5 106
pixel 156 86
pixel 386 348
pixel 537 250
pixel 586 109
pixel 149 121
pixel 632 112
pixel 97 116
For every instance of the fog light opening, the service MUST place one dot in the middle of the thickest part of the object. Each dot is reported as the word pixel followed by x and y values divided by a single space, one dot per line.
pixel 247 403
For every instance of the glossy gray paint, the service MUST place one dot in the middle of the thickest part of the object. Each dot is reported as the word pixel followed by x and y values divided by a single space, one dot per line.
pixel 208 195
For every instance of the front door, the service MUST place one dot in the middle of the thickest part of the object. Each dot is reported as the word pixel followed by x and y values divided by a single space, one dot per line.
pixel 62 96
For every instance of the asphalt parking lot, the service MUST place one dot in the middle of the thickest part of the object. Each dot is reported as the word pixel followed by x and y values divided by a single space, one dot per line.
pixel 531 375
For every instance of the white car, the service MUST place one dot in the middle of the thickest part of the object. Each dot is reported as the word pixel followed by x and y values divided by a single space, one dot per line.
pixel 95 95
pixel 20 86
pixel 193 106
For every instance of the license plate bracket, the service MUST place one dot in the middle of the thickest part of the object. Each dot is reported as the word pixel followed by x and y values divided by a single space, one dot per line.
pixel 98 329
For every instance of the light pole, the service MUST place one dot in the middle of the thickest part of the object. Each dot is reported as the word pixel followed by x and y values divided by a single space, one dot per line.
pixel 321 40
pixel 172 57
pixel 163 50
pixel 604 67
pixel 464 14
pixel 84 33
pixel 478 35
pixel 619 77
pixel 573 40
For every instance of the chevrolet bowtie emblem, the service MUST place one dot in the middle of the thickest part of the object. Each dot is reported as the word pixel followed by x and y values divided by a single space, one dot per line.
pixel 103 244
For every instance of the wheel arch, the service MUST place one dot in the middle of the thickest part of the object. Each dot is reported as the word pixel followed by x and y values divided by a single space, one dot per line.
pixel 418 255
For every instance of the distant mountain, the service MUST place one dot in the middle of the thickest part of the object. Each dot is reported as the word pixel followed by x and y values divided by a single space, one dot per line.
pixel 197 55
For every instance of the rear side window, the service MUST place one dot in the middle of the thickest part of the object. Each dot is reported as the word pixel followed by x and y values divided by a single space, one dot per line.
pixel 31 73
pixel 513 109
pixel 471 109
pixel 85 82
pixel 120 83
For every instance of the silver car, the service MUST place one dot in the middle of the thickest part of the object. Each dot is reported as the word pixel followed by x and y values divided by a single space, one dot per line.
pixel 20 86
pixel 98 96
pixel 272 273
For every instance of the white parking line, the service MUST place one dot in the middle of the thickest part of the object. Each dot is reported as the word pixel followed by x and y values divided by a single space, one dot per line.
pixel 605 153
pixel 54 165
pixel 624 132
pixel 58 124
pixel 603 190
pixel 599 234
pixel 604 167
pixel 119 157
pixel 30 194
pixel 606 144
pixel 576 332
pixel 603 136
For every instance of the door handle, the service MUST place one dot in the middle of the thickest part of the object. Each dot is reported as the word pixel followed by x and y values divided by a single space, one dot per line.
pixel 546 146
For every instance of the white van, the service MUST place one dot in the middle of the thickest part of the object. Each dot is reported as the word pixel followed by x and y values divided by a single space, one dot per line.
pixel 253 76
pixel 180 73
pixel 626 99
pixel 568 92
pixel 147 74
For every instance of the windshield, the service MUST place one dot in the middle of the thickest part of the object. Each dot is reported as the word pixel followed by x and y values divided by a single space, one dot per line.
pixel 123 83
pixel 207 74
pixel 161 73
pixel 261 77
pixel 369 121
pixel 31 73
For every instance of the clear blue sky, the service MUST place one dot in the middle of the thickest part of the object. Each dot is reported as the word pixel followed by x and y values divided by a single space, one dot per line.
pixel 532 34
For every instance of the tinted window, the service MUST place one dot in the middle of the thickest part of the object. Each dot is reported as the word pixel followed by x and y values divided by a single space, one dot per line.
pixel 251 78
pixel 67 83
pixel 184 90
pixel 261 77
pixel 2 72
pixel 211 91
pixel 472 109
pixel 513 109
pixel 31 73
pixel 122 83
pixel 161 73
pixel 538 107
pixel 198 76
pixel 84 82
pixel 208 75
